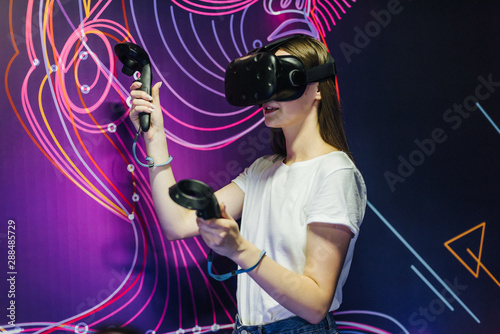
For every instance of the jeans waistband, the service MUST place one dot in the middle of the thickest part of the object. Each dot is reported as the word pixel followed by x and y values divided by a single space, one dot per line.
pixel 294 325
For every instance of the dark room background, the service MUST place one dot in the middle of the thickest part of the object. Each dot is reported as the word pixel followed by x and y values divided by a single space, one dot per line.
pixel 80 244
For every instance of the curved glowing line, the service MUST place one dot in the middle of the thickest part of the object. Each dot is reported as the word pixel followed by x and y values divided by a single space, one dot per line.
pixel 87 181
pixel 235 44
pixel 174 22
pixel 377 314
pixel 356 325
pixel 80 140
pixel 200 43
pixel 190 284
pixel 217 10
pixel 320 12
pixel 211 146
pixel 139 288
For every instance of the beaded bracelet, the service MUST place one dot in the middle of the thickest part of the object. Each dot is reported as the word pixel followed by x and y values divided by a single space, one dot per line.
pixel 151 162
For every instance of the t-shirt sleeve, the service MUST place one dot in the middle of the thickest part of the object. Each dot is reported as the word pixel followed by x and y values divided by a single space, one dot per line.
pixel 241 180
pixel 340 199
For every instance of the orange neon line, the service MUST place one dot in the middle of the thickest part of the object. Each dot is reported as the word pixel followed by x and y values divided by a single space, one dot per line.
pixel 122 213
pixel 103 132
pixel 86 4
pixel 482 266
pixel 447 245
pixel 58 75
pixel 112 206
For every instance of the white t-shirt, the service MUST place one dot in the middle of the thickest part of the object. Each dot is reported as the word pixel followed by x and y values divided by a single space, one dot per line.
pixel 280 201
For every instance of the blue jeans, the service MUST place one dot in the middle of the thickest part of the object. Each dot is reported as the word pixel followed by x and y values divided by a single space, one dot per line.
pixel 294 325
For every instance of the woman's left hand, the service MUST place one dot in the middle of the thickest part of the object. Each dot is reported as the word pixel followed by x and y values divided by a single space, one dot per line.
pixel 221 234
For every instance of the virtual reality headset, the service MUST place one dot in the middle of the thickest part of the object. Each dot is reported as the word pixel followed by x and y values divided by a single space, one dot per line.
pixel 261 76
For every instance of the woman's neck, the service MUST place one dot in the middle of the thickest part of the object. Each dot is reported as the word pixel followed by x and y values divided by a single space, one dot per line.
pixel 304 142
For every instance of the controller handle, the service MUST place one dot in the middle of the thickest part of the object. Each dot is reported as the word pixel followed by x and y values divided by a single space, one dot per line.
pixel 134 58
pixel 196 195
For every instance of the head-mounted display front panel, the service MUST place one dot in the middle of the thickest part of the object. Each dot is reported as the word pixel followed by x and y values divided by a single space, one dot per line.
pixel 261 76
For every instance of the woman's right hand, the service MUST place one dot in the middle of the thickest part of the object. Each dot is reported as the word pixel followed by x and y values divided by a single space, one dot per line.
pixel 142 102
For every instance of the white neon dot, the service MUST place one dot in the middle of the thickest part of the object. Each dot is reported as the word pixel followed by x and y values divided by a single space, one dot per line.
pixel 131 216
pixel 196 329
pixel 36 62
pixel 129 101
pixel 85 328
pixel 215 327
pixel 84 55
pixel 85 89
pixel 137 75
pixel 135 197
pixel 130 168
pixel 53 68
pixel 150 332
pixel 112 127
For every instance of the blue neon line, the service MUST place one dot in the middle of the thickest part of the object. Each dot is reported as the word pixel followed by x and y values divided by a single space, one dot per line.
pixel 422 261
pixel 488 117
pixel 431 287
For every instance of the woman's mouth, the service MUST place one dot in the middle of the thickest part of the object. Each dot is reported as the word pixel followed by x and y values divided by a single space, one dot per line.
pixel 268 110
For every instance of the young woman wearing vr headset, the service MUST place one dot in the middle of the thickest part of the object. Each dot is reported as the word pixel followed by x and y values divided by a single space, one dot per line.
pixel 302 207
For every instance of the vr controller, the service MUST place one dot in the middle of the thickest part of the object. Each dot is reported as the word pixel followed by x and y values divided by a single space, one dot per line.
pixel 196 195
pixel 261 76
pixel 134 58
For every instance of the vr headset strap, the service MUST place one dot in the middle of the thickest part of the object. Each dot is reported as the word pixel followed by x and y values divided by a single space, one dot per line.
pixel 321 72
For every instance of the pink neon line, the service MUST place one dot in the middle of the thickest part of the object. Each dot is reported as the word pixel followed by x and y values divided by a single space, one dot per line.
pixel 341 8
pixel 348 5
pixel 329 15
pixel 364 327
pixel 236 5
pixel 333 8
pixel 108 48
pixel 211 129
pixel 174 253
pixel 211 287
pixel 29 32
pixel 146 303
pixel 148 201
pixel 218 12
pixel 189 283
pixel 205 280
pixel 102 10
pixel 43 140
pixel 319 26
pixel 139 288
pixel 94 8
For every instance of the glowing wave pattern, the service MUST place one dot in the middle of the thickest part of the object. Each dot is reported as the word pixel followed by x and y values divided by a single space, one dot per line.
pixel 69 74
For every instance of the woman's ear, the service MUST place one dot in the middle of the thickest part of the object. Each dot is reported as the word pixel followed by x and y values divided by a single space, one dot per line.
pixel 318 93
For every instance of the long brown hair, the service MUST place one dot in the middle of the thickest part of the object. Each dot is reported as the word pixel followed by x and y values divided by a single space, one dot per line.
pixel 313 53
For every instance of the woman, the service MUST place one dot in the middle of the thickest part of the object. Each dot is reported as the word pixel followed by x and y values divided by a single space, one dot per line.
pixel 303 206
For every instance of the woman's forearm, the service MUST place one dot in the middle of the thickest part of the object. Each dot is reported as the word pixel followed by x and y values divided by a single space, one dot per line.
pixel 177 222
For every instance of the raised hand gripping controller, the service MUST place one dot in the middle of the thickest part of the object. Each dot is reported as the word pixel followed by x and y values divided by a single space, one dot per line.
pixel 134 58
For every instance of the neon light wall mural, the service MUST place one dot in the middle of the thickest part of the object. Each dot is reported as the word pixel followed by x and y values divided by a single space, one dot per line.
pixel 82 248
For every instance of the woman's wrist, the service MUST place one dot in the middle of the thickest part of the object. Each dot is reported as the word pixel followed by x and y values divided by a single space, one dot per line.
pixel 247 255
pixel 156 147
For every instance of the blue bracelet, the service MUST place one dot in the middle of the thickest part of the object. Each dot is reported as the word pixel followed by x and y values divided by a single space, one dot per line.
pixel 151 162
pixel 233 273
